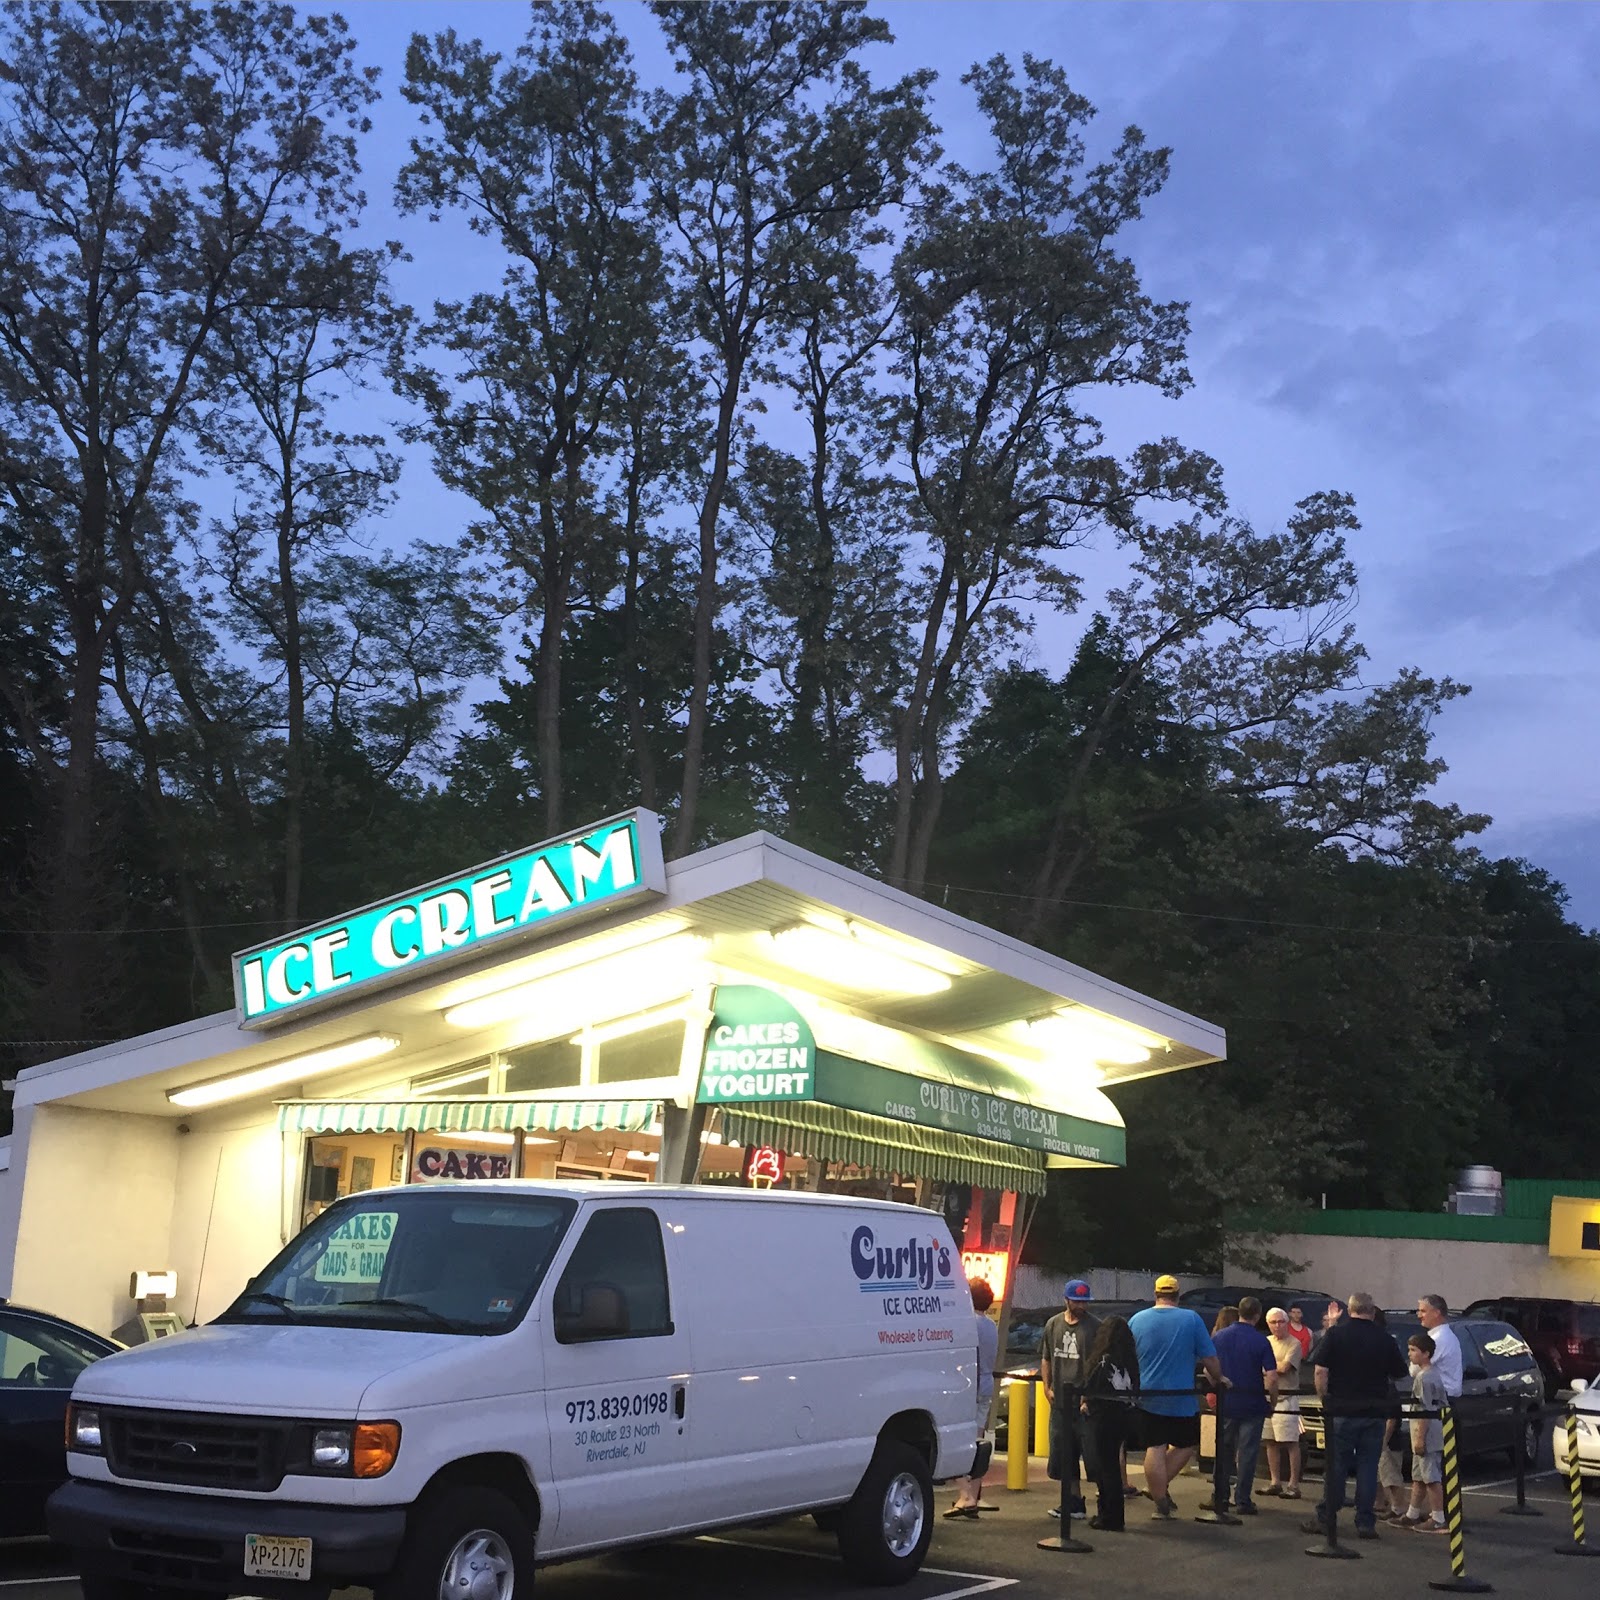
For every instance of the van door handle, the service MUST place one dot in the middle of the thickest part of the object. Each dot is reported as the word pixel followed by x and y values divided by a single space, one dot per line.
pixel 678 1400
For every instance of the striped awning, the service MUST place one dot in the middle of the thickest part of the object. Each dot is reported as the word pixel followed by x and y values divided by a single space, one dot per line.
pixel 481 1115
pixel 881 1146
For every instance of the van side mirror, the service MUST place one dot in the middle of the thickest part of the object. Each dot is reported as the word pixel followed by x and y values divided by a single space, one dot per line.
pixel 602 1314
pixel 1578 1385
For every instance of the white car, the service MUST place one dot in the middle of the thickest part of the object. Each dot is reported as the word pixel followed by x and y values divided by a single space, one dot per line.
pixel 1586 1403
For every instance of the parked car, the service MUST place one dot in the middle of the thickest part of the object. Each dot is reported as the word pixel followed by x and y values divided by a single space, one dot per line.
pixel 1208 1302
pixel 40 1357
pixel 1499 1380
pixel 1564 1335
pixel 1586 1403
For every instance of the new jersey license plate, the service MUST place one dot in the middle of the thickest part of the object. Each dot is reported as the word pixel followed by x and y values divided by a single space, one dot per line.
pixel 270 1555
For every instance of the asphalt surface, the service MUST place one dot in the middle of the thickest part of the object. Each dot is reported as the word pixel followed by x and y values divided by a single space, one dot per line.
pixel 998 1554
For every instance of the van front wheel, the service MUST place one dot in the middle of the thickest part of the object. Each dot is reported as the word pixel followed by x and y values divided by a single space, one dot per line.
pixel 464 1544
pixel 885 1529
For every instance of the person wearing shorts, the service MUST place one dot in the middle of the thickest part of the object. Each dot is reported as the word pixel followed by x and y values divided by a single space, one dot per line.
pixel 1281 1436
pixel 1172 1342
pixel 1427 1439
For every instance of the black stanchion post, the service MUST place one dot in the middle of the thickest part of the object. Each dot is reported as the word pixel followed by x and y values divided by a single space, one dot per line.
pixel 1221 1478
pixel 1458 1582
pixel 1575 1489
pixel 1520 1418
pixel 1066 1543
pixel 1330 1549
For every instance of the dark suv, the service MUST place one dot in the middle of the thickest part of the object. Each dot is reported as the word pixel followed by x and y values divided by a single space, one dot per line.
pixel 1563 1334
pixel 1499 1380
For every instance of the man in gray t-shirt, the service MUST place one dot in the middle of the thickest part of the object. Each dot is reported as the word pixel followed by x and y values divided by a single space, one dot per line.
pixel 1064 1364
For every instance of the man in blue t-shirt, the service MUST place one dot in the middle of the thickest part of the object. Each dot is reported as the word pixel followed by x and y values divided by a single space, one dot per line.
pixel 1172 1342
pixel 1250 1370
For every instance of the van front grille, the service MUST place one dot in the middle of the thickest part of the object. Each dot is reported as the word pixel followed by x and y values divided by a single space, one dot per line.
pixel 208 1452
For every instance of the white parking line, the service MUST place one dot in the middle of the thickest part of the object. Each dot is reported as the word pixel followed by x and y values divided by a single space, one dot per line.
pixel 984 1584
pixel 1503 1483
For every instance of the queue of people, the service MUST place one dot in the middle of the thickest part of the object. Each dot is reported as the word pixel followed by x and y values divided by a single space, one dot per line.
pixel 1117 1384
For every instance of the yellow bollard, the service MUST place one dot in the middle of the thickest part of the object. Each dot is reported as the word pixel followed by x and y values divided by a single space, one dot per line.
pixel 1017 1436
pixel 1041 1421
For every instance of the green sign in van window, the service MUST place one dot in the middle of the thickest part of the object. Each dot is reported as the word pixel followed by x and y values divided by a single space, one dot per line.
pixel 602 865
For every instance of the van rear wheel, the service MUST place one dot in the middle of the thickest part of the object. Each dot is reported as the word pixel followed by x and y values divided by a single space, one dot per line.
pixel 885 1528
pixel 464 1544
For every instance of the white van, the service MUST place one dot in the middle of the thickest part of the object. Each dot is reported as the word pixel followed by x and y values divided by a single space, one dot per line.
pixel 432 1389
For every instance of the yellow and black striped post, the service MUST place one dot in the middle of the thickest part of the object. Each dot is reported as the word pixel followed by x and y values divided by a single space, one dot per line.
pixel 1458 1581
pixel 1575 1489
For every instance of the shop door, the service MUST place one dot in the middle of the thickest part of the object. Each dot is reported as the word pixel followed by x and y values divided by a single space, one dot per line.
pixel 617 1386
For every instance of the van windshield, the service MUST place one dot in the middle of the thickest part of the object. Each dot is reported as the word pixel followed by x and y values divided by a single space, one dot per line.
pixel 426 1261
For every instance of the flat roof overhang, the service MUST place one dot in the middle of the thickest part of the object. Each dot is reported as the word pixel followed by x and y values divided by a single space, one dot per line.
pixel 735 893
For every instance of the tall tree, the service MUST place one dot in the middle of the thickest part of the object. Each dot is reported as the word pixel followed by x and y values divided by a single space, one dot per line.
pixel 822 543
pixel 766 159
pixel 152 158
pixel 303 486
pixel 542 155
pixel 1015 307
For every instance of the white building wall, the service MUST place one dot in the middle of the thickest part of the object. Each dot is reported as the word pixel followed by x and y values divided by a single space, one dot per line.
pixel 94 1194
pixel 1396 1271
pixel 10 1198
pixel 227 1218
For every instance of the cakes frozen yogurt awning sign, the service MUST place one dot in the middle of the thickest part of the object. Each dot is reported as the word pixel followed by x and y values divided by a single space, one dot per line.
pixel 600 867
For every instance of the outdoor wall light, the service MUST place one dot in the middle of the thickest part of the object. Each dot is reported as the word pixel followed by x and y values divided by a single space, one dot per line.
pixel 214 1091
pixel 853 961
pixel 569 998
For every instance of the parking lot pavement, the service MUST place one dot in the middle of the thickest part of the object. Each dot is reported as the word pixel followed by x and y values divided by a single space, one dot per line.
pixel 997 1554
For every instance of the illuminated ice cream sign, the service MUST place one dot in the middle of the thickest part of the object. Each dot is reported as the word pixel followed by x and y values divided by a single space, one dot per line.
pixel 602 866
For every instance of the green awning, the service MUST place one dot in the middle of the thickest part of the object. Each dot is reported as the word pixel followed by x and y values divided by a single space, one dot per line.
pixel 466 1116
pixel 879 1145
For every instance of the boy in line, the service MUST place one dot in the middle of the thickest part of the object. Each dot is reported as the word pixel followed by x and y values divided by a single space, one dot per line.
pixel 1427 1440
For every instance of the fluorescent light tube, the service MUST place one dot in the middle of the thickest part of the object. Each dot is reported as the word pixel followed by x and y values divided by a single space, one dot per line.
pixel 853 963
pixel 1086 1033
pixel 277 1073
pixel 570 998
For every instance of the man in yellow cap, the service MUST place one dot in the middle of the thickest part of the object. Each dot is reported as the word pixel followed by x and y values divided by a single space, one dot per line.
pixel 1172 1342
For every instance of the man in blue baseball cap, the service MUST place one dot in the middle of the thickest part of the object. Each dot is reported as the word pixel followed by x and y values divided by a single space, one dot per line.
pixel 1063 1365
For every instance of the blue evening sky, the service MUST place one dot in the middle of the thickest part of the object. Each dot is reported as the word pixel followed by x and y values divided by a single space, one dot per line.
pixel 1386 219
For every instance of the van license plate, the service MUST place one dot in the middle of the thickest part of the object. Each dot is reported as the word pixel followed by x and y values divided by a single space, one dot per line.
pixel 267 1555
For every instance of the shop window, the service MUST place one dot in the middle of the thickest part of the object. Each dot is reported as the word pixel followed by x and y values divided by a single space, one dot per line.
pixel 616 1280
pixel 650 1053
pixel 449 1082
pixel 555 1064
pixel 350 1163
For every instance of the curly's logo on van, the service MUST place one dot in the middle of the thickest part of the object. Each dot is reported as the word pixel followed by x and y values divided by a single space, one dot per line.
pixel 923 1263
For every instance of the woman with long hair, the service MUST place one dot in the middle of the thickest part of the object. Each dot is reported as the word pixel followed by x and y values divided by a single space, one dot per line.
pixel 1113 1376
pixel 969 1490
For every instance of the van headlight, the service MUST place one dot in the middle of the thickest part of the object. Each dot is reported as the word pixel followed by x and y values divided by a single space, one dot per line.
pixel 353 1449
pixel 83 1430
